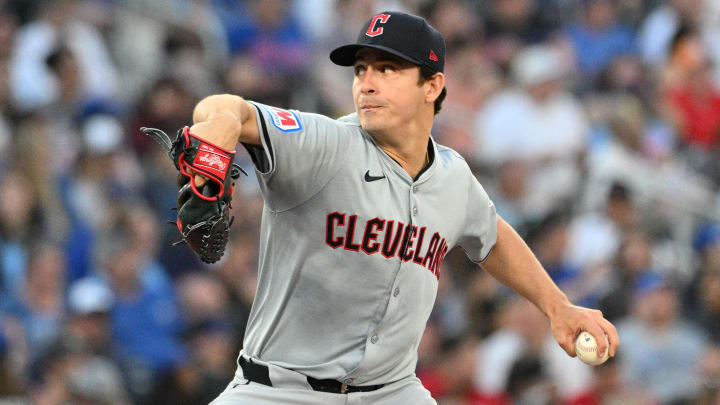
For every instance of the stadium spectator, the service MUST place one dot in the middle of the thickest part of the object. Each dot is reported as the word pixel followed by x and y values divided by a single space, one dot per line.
pixel 609 387
pixel 598 37
pixel 146 321
pixel 550 138
pixel 667 350
pixel 59 27
pixel 524 334
pixel 661 25
pixel 625 147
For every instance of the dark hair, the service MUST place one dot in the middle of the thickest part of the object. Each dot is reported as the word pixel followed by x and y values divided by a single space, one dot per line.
pixel 619 191
pixel 57 57
pixel 683 32
pixel 425 74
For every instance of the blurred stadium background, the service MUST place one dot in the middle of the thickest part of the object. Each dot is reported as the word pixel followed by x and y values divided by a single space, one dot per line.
pixel 593 124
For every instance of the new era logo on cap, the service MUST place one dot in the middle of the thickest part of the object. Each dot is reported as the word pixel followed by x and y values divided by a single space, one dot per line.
pixel 407 36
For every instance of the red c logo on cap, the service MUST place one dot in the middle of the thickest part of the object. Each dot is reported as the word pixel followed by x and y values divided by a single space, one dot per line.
pixel 372 31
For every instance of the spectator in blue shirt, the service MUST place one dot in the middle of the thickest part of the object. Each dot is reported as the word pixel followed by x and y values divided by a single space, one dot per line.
pixel 598 38
pixel 146 321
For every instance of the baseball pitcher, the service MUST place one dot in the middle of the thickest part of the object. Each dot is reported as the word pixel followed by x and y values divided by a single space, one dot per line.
pixel 359 213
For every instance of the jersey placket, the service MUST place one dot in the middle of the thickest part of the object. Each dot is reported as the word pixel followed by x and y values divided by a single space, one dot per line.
pixel 375 339
pixel 401 181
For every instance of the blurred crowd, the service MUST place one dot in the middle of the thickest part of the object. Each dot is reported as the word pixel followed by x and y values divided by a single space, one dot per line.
pixel 594 125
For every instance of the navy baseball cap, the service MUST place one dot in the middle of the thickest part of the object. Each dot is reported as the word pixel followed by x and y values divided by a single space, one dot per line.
pixel 406 36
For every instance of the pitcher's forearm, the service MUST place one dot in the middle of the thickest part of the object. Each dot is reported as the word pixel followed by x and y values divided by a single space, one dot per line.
pixel 225 119
pixel 512 263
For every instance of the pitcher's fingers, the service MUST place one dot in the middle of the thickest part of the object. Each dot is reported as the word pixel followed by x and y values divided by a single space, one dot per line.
pixel 612 334
pixel 567 342
pixel 200 180
pixel 594 328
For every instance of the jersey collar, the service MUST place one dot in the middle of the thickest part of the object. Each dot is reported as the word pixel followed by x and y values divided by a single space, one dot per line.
pixel 425 174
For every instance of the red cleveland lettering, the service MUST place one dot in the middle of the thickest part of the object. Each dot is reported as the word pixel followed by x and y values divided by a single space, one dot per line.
pixel 408 253
pixel 417 259
pixel 389 246
pixel 350 235
pixel 336 218
pixel 442 250
pixel 407 242
pixel 369 244
pixel 430 255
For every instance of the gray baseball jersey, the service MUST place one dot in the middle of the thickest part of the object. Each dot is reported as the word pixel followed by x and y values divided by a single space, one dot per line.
pixel 351 247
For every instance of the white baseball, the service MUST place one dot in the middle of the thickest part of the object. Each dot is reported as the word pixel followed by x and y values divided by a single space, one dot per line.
pixel 587 350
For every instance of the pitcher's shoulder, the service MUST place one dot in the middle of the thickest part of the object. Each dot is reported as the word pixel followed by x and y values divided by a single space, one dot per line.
pixel 343 127
pixel 350 120
pixel 347 124
pixel 450 158
pixel 351 126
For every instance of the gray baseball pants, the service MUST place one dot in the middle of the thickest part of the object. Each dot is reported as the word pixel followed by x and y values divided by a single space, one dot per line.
pixel 291 388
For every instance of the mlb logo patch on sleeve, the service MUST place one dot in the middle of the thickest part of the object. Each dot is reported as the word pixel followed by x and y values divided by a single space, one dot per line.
pixel 284 120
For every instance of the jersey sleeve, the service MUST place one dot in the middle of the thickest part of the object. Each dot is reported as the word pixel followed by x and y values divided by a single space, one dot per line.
pixel 300 153
pixel 480 232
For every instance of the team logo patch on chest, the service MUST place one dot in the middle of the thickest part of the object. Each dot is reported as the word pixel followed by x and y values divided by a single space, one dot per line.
pixel 284 120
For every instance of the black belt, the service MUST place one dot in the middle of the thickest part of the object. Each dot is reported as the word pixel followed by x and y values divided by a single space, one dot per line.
pixel 261 374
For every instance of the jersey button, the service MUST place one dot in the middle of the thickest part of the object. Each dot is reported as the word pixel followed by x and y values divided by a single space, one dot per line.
pixel 396 292
pixel 348 381
pixel 374 339
pixel 414 189
pixel 414 210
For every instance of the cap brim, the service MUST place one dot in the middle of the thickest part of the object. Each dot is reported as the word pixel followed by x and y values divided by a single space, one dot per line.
pixel 345 55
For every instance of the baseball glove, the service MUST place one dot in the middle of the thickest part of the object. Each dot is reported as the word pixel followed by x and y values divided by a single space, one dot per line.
pixel 203 214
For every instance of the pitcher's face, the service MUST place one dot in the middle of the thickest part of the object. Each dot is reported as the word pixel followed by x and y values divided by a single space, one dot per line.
pixel 385 90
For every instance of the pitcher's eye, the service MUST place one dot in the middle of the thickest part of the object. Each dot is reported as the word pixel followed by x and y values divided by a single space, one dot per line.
pixel 359 69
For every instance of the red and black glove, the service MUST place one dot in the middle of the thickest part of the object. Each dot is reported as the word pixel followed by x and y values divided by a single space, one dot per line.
pixel 203 213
